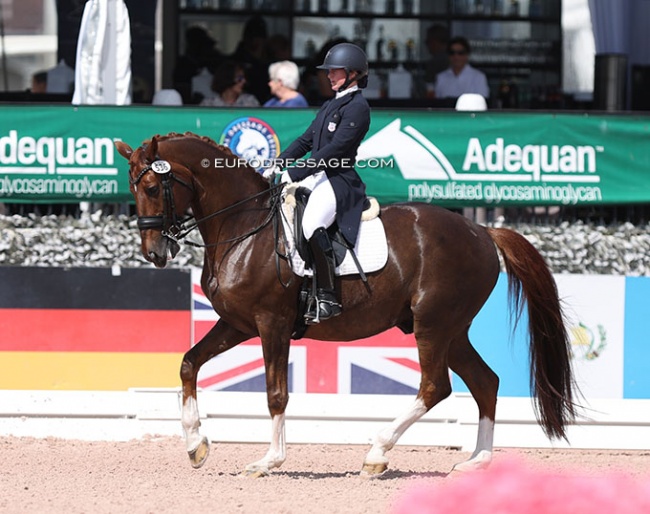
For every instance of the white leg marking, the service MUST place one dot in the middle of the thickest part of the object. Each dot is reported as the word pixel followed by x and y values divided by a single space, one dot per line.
pixel 277 452
pixel 482 455
pixel 191 423
pixel 387 438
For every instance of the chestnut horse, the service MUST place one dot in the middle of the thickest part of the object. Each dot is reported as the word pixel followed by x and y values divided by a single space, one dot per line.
pixel 441 269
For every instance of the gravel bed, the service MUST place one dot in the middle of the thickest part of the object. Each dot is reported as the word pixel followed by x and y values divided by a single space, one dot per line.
pixel 104 241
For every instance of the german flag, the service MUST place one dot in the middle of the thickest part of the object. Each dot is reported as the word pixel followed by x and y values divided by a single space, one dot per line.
pixel 93 328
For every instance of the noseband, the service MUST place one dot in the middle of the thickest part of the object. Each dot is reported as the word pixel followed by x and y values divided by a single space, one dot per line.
pixel 169 223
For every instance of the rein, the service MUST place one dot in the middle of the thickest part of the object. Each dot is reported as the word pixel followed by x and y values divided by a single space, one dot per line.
pixel 176 230
pixel 186 227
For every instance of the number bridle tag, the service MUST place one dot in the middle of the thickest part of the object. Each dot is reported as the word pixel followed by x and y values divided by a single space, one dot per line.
pixel 161 167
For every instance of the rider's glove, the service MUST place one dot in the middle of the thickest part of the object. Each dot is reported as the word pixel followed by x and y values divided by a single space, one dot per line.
pixel 285 178
pixel 270 172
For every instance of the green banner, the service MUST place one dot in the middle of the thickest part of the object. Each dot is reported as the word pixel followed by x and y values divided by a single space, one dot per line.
pixel 454 159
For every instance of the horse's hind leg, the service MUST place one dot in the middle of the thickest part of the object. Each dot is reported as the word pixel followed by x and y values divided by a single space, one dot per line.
pixel 483 383
pixel 220 338
pixel 434 387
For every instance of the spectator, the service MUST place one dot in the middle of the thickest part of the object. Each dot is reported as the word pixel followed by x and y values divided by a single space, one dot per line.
pixel 284 79
pixel 460 77
pixel 251 53
pixel 436 42
pixel 278 48
pixel 200 52
pixel 39 82
pixel 228 84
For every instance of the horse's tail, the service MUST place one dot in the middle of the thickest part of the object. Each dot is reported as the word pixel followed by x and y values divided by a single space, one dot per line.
pixel 530 281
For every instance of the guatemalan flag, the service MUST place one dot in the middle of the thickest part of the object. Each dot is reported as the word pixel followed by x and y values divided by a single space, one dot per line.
pixel 383 364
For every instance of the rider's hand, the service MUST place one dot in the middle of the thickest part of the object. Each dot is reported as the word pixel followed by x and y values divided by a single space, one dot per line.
pixel 285 178
pixel 270 172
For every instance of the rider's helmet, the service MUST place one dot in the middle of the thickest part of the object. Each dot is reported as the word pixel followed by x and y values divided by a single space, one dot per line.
pixel 350 58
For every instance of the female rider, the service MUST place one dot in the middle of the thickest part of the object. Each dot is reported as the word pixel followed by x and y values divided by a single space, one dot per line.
pixel 337 192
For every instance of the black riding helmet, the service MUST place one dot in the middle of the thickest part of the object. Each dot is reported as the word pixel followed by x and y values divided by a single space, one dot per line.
pixel 350 58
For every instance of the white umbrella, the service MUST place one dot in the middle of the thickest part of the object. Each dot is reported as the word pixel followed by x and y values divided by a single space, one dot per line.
pixel 103 68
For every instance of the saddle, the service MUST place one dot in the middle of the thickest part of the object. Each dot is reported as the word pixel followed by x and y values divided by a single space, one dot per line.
pixel 296 198
pixel 295 201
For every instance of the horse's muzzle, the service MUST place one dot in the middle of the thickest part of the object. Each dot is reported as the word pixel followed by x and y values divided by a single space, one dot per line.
pixel 157 251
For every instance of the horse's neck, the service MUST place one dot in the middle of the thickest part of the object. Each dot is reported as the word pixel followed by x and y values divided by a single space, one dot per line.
pixel 230 196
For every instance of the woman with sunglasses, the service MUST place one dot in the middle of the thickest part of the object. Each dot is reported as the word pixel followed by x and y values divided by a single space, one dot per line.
pixel 228 84
pixel 461 77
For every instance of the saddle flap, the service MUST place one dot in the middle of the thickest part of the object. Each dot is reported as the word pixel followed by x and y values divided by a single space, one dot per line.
pixel 371 247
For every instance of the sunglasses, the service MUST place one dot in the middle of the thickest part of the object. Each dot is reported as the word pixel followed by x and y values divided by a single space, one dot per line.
pixel 240 78
pixel 457 52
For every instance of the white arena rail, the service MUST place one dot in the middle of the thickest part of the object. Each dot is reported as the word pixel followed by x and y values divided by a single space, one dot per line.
pixel 311 418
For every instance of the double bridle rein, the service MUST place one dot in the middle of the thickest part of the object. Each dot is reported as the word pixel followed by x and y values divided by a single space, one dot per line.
pixel 176 229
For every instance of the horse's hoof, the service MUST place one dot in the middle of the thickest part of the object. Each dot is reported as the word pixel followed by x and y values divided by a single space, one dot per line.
pixel 199 455
pixel 374 470
pixel 477 463
pixel 254 473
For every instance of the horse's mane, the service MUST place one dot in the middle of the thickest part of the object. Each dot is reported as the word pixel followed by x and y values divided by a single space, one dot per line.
pixel 222 148
pixel 205 139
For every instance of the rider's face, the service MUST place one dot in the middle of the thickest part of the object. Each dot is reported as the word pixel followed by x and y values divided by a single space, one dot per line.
pixel 336 77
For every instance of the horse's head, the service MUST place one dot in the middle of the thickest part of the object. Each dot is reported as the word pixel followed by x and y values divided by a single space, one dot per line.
pixel 162 189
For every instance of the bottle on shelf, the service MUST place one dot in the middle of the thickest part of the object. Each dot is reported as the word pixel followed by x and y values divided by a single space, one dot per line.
pixel 392 49
pixel 410 49
pixel 400 83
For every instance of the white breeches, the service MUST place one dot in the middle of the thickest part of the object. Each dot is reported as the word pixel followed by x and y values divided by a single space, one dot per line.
pixel 321 207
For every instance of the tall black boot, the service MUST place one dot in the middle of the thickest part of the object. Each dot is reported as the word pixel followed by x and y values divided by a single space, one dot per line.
pixel 325 305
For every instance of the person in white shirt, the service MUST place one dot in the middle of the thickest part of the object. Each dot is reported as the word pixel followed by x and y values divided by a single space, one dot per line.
pixel 460 77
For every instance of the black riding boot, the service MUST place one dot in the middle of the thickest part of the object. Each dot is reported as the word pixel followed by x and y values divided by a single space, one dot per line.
pixel 325 305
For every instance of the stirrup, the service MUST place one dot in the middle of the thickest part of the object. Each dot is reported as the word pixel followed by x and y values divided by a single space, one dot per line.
pixel 321 309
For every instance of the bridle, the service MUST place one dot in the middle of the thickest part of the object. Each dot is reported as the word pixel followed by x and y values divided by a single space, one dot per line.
pixel 176 229
pixel 169 222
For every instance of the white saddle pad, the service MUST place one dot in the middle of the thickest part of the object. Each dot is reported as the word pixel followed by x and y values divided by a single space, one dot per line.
pixel 371 248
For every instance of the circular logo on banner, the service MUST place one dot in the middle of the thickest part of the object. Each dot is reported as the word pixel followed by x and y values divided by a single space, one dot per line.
pixel 251 139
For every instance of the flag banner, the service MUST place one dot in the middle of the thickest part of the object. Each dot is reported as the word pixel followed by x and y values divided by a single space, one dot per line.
pixel 93 328
pixel 383 364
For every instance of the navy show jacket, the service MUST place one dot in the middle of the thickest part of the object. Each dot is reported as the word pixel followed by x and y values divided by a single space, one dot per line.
pixel 334 138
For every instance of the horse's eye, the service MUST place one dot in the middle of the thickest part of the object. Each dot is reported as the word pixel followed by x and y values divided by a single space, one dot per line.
pixel 152 191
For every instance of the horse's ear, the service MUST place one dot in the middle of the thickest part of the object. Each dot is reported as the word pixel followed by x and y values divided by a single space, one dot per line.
pixel 124 150
pixel 151 153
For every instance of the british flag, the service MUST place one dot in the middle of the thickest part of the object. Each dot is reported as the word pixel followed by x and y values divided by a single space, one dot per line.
pixel 383 364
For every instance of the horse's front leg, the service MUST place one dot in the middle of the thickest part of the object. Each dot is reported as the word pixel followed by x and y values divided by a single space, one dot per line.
pixel 221 337
pixel 276 360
